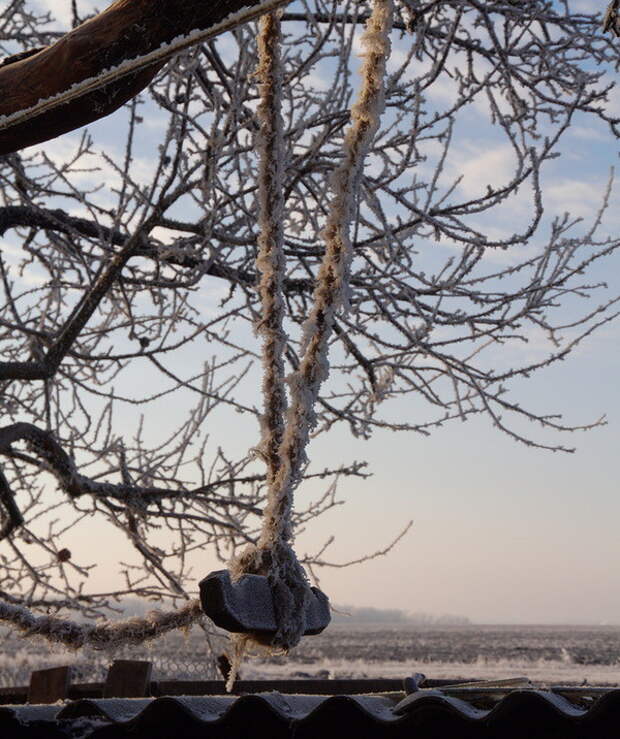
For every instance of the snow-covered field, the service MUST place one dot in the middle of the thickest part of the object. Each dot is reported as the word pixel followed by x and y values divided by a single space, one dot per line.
pixel 543 671
pixel 546 654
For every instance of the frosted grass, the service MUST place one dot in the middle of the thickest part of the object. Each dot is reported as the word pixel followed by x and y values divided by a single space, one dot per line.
pixel 540 671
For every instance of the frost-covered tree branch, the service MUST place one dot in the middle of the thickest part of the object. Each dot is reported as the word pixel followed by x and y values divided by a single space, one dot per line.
pixel 130 368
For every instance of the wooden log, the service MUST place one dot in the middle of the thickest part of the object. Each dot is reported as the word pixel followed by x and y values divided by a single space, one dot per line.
pixel 49 686
pixel 128 678
pixel 127 30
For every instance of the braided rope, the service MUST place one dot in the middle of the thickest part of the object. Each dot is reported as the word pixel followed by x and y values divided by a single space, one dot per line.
pixel 332 282
pixel 272 555
pixel 270 261
pixel 103 635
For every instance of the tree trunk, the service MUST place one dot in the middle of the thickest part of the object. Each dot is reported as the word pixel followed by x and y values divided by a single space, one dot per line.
pixel 128 29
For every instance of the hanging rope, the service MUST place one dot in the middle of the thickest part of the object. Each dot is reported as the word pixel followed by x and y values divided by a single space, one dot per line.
pixel 283 446
pixel 107 634
pixel 272 555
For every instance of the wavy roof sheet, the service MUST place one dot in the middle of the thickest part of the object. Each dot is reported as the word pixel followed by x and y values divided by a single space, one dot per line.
pixel 425 714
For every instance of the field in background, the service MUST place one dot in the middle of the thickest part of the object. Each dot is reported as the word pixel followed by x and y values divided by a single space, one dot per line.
pixel 552 654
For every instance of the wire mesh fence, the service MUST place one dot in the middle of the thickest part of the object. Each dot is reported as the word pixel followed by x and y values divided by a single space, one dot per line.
pixel 174 657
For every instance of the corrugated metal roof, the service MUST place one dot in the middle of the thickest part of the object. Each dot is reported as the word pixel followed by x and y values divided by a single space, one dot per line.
pixel 425 714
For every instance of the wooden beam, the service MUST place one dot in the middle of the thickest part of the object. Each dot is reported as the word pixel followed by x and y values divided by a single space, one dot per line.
pixel 85 75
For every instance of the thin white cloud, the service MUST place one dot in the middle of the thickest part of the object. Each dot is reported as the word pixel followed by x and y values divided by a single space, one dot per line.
pixel 61 11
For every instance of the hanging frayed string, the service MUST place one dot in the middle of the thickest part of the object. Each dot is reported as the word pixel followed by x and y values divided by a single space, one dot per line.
pixel 239 644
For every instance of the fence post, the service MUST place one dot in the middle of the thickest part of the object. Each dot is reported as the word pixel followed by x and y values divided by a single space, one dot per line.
pixel 128 678
pixel 49 686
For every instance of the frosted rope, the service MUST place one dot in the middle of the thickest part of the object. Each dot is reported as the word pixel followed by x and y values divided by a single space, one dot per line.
pixel 107 634
pixel 332 280
pixel 270 265
pixel 272 555
pixel 270 261
pixel 287 577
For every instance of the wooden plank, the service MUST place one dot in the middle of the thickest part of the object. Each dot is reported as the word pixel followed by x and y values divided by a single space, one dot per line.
pixel 509 683
pixel 128 678
pixel 310 687
pixel 247 606
pixel 77 691
pixel 14 696
pixel 320 687
pixel 49 686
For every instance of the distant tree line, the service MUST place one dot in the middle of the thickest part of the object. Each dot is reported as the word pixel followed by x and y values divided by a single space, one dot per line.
pixel 367 614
